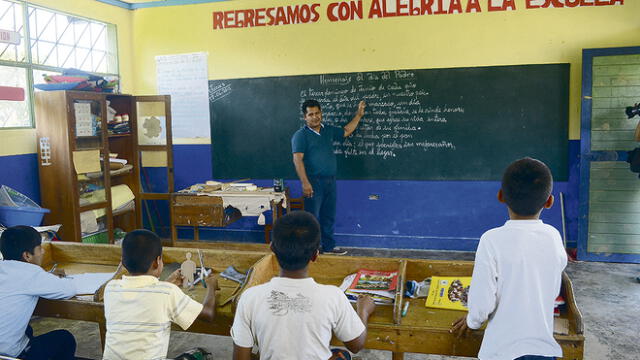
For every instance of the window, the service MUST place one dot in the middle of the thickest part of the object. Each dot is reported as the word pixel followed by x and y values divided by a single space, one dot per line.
pixel 52 41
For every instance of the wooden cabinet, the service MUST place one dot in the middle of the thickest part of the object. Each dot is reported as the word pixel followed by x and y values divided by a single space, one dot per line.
pixel 88 195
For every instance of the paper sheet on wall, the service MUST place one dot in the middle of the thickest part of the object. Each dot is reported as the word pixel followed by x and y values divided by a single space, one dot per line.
pixel 184 77
pixel 86 161
pixel 84 123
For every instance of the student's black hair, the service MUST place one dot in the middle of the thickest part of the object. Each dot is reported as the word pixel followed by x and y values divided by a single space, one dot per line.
pixel 18 239
pixel 296 238
pixel 139 249
pixel 526 186
pixel 310 103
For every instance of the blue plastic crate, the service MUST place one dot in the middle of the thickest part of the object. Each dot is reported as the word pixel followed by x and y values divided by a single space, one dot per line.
pixel 18 215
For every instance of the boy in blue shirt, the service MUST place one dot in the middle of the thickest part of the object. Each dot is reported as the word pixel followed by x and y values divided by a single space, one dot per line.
pixel 518 272
pixel 22 283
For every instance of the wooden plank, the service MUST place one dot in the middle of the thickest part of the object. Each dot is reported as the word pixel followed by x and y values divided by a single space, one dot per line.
pixel 573 313
pixel 613 104
pixel 397 305
pixel 618 69
pixel 607 217
pixel 613 184
pixel 615 196
pixel 625 91
pixel 601 103
pixel 626 80
pixel 614 145
pixel 607 112
pixel 609 60
pixel 617 239
pixel 616 80
pixel 621 173
pixel 608 228
pixel 221 245
pixel 613 249
pixel 609 165
pixel 615 207
pixel 601 91
pixel 612 135
pixel 613 123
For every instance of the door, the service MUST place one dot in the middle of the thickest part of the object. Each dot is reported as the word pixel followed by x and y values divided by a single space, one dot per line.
pixel 155 161
pixel 609 224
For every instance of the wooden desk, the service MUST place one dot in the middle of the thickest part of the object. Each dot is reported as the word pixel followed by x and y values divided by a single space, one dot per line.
pixel 79 258
pixel 192 209
pixel 422 330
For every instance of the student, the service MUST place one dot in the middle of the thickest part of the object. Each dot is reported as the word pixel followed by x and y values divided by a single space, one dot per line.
pixel 22 283
pixel 292 316
pixel 139 309
pixel 517 272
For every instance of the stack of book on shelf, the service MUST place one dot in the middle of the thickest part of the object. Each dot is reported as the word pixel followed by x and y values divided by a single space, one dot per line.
pixel 380 285
pixel 115 163
pixel 118 128
pixel 449 292
pixel 116 166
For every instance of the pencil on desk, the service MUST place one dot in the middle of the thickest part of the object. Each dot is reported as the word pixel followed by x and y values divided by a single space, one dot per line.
pixel 53 268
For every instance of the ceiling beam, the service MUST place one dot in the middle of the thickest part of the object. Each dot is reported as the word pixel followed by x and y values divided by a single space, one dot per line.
pixel 134 6
pixel 117 3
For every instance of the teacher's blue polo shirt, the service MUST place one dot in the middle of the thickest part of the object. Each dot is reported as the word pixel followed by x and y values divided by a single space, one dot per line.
pixel 319 159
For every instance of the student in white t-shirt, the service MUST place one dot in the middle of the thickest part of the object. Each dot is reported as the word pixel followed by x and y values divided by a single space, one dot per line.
pixel 292 316
pixel 518 272
pixel 139 309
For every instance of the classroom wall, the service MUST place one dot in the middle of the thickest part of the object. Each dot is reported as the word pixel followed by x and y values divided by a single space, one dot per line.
pixel 444 215
pixel 18 147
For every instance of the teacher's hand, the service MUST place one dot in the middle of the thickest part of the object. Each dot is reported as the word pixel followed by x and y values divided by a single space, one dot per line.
pixel 361 106
pixel 307 190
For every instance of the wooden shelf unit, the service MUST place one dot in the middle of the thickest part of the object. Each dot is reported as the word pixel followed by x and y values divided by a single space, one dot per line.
pixel 60 186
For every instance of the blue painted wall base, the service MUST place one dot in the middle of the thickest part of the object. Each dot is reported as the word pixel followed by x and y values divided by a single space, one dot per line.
pixel 442 215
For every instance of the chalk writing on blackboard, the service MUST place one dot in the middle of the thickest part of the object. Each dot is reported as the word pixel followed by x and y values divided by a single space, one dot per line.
pixel 217 92
pixel 398 118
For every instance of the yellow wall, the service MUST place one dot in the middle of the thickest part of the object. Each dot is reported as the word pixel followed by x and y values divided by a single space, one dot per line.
pixel 498 38
pixel 23 141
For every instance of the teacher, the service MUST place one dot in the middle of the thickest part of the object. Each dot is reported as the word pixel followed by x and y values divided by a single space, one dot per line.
pixel 316 166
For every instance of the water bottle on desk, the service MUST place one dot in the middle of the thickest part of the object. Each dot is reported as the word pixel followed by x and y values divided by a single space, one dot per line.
pixel 278 185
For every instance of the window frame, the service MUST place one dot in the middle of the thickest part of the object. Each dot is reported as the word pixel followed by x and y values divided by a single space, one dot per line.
pixel 29 66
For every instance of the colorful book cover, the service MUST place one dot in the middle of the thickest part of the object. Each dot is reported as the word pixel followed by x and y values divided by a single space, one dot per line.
pixel 449 292
pixel 375 280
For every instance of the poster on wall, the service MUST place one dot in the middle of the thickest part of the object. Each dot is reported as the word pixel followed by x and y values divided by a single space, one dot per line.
pixel 184 77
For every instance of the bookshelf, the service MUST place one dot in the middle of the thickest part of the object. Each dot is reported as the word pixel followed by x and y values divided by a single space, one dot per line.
pixel 90 199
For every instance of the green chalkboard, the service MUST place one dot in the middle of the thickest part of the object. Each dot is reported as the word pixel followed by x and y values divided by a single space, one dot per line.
pixel 428 124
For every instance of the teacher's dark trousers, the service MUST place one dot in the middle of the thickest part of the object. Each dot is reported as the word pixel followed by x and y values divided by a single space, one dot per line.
pixel 323 206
